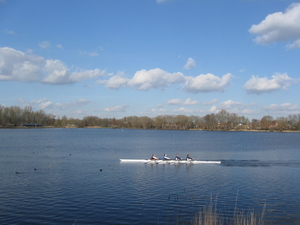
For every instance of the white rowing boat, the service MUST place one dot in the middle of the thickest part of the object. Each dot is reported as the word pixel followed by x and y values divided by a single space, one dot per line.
pixel 168 161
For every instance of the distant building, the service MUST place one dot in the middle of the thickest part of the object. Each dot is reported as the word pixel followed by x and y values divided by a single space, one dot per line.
pixel 31 125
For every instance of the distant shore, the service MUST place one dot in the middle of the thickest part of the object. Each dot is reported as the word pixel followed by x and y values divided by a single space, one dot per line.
pixel 99 127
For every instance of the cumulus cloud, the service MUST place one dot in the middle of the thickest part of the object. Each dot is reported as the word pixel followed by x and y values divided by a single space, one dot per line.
pixel 116 81
pixel 188 101
pixel 26 67
pixel 285 108
pixel 44 103
pixel 207 83
pixel 211 102
pixel 214 109
pixel 19 66
pixel 57 71
pixel 296 44
pixel 187 111
pixel 86 74
pixel 279 26
pixel 158 111
pixel 154 78
pixel 158 78
pixel 117 108
pixel 190 64
pixel 174 102
pixel 146 80
pixel 229 104
pixel 233 107
pixel 257 85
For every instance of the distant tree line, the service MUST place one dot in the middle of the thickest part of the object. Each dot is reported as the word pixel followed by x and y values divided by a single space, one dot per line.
pixel 15 116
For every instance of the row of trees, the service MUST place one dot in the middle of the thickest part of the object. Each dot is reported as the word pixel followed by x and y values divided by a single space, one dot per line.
pixel 14 115
pixel 223 120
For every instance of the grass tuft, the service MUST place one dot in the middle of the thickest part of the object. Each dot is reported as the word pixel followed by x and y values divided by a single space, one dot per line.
pixel 210 216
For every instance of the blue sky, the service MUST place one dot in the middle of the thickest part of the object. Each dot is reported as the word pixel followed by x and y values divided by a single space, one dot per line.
pixel 122 58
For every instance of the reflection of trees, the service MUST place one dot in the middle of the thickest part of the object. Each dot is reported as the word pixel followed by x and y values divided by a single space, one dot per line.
pixel 223 120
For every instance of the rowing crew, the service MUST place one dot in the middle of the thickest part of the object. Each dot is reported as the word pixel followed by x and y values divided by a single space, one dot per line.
pixel 177 158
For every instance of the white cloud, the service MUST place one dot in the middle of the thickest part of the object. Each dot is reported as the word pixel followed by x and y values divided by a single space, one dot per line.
pixel 117 108
pixel 259 85
pixel 174 102
pixel 296 44
pixel 36 101
pixel 214 109
pixel 157 78
pixel 158 111
pixel 285 108
pixel 207 83
pixel 18 66
pixel 211 102
pixel 189 101
pixel 233 107
pixel 45 44
pixel 183 110
pixel 57 71
pixel 86 74
pixel 80 102
pixel 187 111
pixel 146 80
pixel 190 64
pixel 279 26
pixel 117 81
pixel 48 104
pixel 59 46
pixel 229 104
pixel 154 78
pixel 247 111
pixel 45 103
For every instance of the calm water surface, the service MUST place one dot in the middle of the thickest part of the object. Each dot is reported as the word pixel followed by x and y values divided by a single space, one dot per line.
pixel 53 176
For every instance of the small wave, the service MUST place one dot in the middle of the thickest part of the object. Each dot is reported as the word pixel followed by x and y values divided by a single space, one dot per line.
pixel 259 163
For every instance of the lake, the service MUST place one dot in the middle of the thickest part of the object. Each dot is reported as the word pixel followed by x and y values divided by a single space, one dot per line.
pixel 74 176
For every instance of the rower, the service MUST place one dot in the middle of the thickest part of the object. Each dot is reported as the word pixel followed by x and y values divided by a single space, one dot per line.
pixel 189 158
pixel 165 157
pixel 153 157
pixel 177 157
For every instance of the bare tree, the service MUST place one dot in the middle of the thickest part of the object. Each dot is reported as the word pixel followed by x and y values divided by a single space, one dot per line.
pixel 265 122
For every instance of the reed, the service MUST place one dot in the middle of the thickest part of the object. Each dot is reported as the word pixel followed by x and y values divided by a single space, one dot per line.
pixel 210 216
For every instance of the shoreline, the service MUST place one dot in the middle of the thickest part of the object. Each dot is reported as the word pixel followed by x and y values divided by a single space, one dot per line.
pixel 99 127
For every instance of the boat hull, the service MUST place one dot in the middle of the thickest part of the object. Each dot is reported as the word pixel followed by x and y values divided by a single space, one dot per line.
pixel 169 161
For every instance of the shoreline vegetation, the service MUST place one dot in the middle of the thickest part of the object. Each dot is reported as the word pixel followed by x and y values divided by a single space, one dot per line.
pixel 209 216
pixel 16 117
